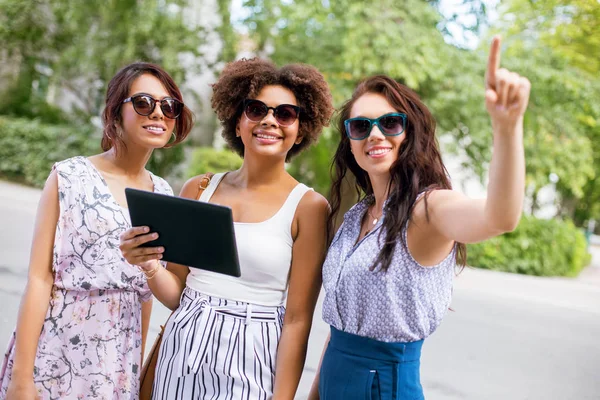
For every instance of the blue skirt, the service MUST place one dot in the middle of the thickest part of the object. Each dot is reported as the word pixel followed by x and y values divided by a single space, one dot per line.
pixel 356 367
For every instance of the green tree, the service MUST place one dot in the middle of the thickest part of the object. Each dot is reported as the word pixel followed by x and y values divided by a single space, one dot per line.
pixel 558 45
pixel 571 28
pixel 78 46
pixel 350 39
pixel 229 39
pixel 61 47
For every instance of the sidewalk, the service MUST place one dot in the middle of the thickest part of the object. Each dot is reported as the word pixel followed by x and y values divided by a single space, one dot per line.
pixel 18 196
pixel 581 293
pixel 18 206
pixel 591 274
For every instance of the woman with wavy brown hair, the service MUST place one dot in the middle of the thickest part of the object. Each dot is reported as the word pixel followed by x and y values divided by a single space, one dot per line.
pixel 388 273
pixel 246 337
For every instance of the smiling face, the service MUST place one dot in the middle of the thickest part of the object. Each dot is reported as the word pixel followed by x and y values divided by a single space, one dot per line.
pixel 152 131
pixel 268 137
pixel 376 153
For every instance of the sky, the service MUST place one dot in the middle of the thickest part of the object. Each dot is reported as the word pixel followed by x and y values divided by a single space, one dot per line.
pixel 463 38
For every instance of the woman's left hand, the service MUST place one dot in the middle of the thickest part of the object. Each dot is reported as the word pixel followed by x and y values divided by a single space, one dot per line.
pixel 506 92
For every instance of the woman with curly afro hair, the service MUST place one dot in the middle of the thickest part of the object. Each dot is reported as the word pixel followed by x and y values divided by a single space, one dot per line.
pixel 247 337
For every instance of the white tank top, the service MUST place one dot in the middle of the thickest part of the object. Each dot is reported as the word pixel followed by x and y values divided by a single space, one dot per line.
pixel 265 255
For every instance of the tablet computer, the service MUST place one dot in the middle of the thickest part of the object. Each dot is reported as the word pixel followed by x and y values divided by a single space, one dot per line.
pixel 193 233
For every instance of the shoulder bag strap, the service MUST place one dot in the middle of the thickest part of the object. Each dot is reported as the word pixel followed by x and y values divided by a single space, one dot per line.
pixel 203 184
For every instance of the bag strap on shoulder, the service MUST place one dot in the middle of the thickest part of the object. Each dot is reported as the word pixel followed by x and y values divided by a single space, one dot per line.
pixel 203 184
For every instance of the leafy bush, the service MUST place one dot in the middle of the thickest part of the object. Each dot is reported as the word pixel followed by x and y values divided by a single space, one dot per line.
pixel 312 166
pixel 208 159
pixel 537 247
pixel 165 161
pixel 28 148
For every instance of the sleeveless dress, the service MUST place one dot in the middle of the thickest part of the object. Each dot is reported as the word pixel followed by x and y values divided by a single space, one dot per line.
pixel 221 342
pixel 90 344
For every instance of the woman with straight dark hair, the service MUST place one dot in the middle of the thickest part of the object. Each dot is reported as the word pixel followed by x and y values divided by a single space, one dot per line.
pixel 85 312
pixel 388 273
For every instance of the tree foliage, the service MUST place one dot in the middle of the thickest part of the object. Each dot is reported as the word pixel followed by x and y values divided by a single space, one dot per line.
pixel 570 28
pixel 350 39
pixel 72 49
pixel 63 54
pixel 558 44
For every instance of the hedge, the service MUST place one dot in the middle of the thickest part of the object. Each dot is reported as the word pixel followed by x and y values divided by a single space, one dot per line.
pixel 208 159
pixel 537 247
pixel 29 148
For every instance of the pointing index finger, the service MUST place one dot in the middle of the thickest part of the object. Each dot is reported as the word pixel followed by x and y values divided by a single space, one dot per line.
pixel 493 62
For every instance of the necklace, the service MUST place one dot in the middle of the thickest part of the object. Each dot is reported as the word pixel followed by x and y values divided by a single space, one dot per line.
pixel 375 219
pixel 369 229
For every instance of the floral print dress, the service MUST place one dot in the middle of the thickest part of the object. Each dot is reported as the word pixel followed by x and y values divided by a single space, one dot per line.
pixel 90 344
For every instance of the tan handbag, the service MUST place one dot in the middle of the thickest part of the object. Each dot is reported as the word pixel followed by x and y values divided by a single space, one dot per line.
pixel 149 368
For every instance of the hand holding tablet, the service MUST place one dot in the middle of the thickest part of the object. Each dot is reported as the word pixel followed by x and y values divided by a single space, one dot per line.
pixel 193 233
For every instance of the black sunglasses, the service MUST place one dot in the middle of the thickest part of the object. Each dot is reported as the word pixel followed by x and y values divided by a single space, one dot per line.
pixel 144 104
pixel 285 114
pixel 392 124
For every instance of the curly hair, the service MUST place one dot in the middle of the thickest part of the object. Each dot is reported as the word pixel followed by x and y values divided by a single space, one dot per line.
pixel 245 78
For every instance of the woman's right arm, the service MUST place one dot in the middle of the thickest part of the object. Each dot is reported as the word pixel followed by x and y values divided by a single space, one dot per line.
pixel 36 298
pixel 166 284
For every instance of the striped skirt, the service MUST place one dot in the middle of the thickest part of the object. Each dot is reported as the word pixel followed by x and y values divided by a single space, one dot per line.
pixel 214 348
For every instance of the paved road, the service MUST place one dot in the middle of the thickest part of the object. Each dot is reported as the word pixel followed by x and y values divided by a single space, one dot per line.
pixel 509 336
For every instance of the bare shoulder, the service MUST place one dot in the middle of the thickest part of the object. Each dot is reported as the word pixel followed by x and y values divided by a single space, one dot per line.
pixel 311 216
pixel 52 181
pixel 50 191
pixel 436 200
pixel 193 185
pixel 313 203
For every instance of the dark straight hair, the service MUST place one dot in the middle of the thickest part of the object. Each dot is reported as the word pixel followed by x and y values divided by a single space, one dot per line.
pixel 419 167
pixel 118 90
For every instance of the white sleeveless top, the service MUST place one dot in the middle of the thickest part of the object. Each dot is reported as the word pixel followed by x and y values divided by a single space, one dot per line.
pixel 265 255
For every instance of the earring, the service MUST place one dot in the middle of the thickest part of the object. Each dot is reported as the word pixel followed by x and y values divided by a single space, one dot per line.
pixel 174 137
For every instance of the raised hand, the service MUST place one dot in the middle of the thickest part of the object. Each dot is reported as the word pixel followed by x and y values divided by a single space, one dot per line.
pixel 506 92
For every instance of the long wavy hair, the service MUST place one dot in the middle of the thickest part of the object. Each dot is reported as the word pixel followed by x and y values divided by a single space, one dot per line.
pixel 419 166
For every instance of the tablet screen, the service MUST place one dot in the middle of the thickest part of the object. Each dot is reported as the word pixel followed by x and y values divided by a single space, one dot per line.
pixel 193 233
